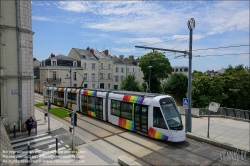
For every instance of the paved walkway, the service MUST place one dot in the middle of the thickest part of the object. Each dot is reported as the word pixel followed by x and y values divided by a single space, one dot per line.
pixel 87 153
pixel 226 131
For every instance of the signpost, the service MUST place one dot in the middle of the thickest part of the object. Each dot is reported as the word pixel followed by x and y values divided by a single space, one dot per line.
pixel 73 121
pixel 212 107
pixel 185 106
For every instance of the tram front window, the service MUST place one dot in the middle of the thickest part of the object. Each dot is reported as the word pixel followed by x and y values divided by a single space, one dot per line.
pixel 171 114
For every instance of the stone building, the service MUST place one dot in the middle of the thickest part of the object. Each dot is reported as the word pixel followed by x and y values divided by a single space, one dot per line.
pixel 60 71
pixel 16 63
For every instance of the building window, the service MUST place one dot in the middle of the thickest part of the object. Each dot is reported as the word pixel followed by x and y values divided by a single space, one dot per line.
pixel 85 76
pixel 181 70
pixel 186 69
pixel 93 77
pixel 75 64
pixel 109 76
pixel 85 85
pixel 101 65
pixel 115 87
pixel 116 69
pixel 74 75
pixel 121 78
pixel 128 69
pixel 93 85
pixel 75 85
pixel 85 66
pixel 109 66
pixel 122 70
pixel 93 65
pixel 54 75
pixel 109 85
pixel 116 78
pixel 176 70
pixel 53 63
pixel 102 76
pixel 133 69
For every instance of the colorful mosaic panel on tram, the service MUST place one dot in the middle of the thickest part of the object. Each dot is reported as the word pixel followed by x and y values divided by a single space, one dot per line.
pixel 127 124
pixel 133 99
pixel 156 134
pixel 89 93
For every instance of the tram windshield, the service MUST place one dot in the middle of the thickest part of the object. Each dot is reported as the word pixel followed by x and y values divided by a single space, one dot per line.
pixel 171 114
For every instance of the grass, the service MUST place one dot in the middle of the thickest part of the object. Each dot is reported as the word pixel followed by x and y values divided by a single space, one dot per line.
pixel 39 104
pixel 59 112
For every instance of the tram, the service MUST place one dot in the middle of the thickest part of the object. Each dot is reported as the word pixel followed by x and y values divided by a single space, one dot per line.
pixel 153 115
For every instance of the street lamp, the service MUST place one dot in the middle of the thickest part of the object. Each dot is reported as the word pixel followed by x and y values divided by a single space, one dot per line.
pixel 149 76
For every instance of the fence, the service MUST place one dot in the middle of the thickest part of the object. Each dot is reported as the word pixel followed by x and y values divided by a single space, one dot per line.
pixel 227 112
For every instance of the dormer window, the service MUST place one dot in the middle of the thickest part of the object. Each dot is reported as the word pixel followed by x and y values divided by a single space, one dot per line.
pixel 75 64
pixel 53 63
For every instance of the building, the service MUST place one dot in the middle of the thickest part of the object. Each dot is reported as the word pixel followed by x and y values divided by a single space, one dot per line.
pixel 61 71
pixel 180 69
pixel 214 73
pixel 16 63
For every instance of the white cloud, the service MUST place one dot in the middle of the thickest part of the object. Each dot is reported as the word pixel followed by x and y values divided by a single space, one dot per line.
pixel 146 40
pixel 41 18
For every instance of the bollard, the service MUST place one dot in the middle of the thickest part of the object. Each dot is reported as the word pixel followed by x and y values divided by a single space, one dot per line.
pixel 56 146
pixel 28 152
pixel 14 130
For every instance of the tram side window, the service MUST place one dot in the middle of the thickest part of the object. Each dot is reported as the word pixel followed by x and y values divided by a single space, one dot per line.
pixel 99 106
pixel 115 107
pixel 72 98
pixel 91 103
pixel 59 95
pixel 84 103
pixel 158 118
pixel 126 110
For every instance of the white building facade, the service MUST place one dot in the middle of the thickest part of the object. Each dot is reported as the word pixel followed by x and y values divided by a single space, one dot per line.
pixel 16 63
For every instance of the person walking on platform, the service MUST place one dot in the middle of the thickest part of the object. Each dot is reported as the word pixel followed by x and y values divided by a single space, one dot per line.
pixel 29 124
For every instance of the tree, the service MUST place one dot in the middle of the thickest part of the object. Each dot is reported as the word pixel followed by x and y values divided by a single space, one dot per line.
pixel 160 69
pixel 177 84
pixel 197 73
pixel 130 84
pixel 230 89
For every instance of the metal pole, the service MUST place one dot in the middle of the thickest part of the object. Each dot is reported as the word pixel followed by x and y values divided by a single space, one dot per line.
pixel 28 152
pixel 14 130
pixel 189 127
pixel 186 120
pixel 48 116
pixel 70 75
pixel 57 146
pixel 36 127
pixel 74 130
pixel 208 123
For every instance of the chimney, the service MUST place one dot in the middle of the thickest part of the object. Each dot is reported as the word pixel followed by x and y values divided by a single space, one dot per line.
pixel 87 48
pixel 121 57
pixel 131 59
pixel 52 55
pixel 34 59
pixel 106 52
pixel 92 51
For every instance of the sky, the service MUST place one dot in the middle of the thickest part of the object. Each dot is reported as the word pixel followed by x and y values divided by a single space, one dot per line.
pixel 119 26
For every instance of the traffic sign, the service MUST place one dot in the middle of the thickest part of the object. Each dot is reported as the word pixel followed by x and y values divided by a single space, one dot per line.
pixel 185 103
pixel 72 121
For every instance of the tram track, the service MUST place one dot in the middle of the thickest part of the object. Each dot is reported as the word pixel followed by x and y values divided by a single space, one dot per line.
pixel 162 154
pixel 133 155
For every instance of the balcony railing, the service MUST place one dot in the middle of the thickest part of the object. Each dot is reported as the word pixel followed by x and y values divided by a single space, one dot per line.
pixel 53 79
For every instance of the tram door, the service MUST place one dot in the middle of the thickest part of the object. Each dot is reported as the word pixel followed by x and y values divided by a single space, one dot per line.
pixel 141 118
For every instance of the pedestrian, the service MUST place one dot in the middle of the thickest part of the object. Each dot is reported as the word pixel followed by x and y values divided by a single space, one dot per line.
pixel 29 124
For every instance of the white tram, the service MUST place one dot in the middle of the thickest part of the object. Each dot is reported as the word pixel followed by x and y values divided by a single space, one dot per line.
pixel 153 115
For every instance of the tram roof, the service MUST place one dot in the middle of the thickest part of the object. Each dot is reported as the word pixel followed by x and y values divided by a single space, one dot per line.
pixel 137 93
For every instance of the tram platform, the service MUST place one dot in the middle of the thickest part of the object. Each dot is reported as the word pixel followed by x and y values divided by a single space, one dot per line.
pixel 224 132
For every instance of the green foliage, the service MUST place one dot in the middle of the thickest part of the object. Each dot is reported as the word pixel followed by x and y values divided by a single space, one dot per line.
pixel 197 73
pixel 130 84
pixel 39 104
pixel 177 84
pixel 230 89
pixel 59 112
pixel 160 69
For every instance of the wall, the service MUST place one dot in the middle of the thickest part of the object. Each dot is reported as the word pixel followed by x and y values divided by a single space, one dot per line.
pixel 9 62
pixel 5 146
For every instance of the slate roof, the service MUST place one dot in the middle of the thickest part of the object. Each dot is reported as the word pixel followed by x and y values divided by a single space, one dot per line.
pixel 85 54
pixel 63 57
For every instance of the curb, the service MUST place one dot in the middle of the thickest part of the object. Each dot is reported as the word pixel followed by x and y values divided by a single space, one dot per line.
pixel 215 143
pixel 126 161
